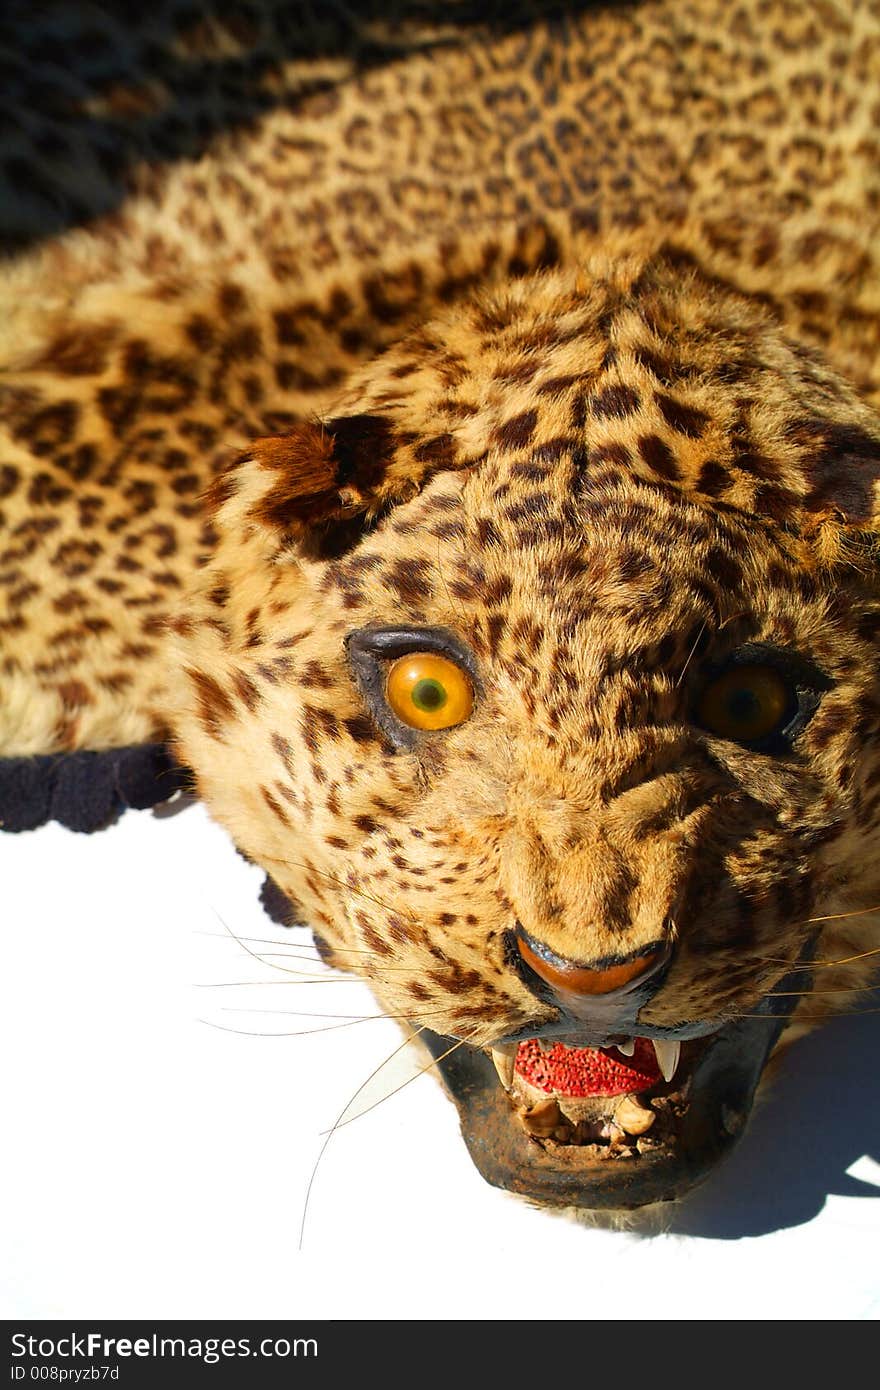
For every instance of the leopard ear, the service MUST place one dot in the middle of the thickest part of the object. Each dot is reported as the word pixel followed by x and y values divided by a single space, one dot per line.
pixel 307 494
pixel 317 484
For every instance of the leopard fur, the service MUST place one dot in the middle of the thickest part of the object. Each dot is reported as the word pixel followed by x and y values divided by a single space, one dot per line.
pixel 556 330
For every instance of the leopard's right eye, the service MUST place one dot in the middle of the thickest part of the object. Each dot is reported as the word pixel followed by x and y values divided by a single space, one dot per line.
pixel 762 698
pixel 747 704
pixel 428 691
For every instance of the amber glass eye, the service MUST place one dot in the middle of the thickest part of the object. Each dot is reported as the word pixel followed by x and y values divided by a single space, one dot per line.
pixel 746 704
pixel 427 691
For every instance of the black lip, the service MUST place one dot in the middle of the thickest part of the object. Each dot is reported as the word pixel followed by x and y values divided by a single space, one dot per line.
pixel 721 1090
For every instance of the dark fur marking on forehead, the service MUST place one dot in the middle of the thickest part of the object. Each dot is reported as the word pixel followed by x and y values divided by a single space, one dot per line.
pixel 441 451
pixel 315 675
pixel 462 410
pixel 558 385
pixel 613 453
pixel 449 530
pixel 317 723
pixel 723 567
pixel 487 533
pixel 552 450
pixel 442 502
pixel 284 748
pixel 530 508
pixel 684 419
pixel 749 457
pixel 713 479
pixel 517 371
pixel 634 564
pixel 215 709
pixel 246 691
pixel 411 580
pixel 277 811
pixel 659 457
pixel 663 369
pixel 346 574
pixel 498 591
pixel 615 403
pixel 516 433
pixel 360 729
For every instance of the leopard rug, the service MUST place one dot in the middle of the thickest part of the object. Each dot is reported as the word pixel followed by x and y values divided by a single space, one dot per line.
pixel 446 437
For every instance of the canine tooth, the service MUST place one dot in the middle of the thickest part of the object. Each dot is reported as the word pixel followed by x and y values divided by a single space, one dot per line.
pixel 632 1117
pixel 627 1048
pixel 668 1054
pixel 504 1058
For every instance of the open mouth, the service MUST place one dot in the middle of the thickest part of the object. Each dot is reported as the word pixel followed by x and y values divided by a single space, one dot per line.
pixel 611 1099
pixel 618 1127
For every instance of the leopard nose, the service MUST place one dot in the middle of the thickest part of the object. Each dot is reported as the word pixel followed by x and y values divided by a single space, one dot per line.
pixel 581 979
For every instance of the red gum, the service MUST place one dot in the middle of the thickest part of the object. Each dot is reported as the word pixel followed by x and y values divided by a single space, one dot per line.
pixel 587 1071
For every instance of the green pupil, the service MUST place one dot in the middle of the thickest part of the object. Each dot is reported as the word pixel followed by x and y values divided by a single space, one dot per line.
pixel 428 694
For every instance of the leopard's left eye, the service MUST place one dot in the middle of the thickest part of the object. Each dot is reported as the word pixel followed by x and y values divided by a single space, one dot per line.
pixel 428 691
pixel 748 704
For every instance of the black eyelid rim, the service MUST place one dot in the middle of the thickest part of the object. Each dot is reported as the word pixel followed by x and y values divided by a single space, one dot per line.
pixel 369 647
pixel 809 683
pixel 388 643
pixel 803 673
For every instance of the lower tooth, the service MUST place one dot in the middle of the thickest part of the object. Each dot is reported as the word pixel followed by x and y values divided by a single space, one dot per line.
pixel 627 1048
pixel 543 1118
pixel 668 1054
pixel 632 1117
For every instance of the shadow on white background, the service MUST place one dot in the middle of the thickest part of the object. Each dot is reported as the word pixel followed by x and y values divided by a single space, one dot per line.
pixel 819 1119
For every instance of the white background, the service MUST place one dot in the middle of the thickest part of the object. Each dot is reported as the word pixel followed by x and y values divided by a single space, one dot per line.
pixel 155 1166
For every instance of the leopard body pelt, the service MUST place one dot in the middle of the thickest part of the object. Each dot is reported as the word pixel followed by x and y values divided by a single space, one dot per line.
pixel 541 340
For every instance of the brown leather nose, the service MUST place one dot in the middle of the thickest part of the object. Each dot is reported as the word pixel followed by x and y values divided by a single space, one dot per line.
pixel 571 978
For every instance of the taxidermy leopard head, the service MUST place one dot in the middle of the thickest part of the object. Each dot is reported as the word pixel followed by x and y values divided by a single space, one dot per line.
pixel 541 674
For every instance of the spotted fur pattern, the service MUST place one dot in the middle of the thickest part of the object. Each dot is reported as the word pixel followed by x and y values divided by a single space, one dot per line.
pixel 559 334
pixel 609 511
